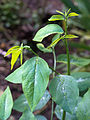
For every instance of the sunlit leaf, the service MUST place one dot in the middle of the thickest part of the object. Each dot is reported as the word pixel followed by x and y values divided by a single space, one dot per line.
pixel 57 36
pixel 68 11
pixel 11 50
pixel 56 17
pixel 6 104
pixel 15 56
pixel 60 12
pixel 15 51
pixel 46 31
pixel 73 14
pixel 70 36
pixel 55 42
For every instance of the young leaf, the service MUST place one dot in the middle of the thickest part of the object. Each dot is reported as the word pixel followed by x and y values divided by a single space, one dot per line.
pixel 42 48
pixel 46 31
pixel 78 61
pixel 83 80
pixel 57 36
pixel 60 12
pixel 6 104
pixel 73 14
pixel 83 109
pixel 56 17
pixel 15 51
pixel 27 115
pixel 62 90
pixel 70 36
pixel 15 56
pixel 11 50
pixel 16 76
pixel 55 42
pixel 35 80
pixel 65 92
pixel 68 11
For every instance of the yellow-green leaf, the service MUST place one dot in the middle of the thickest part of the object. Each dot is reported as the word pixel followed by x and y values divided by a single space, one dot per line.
pixel 56 17
pixel 71 36
pixel 60 12
pixel 68 11
pixel 55 42
pixel 11 50
pixel 73 14
pixel 15 56
pixel 21 58
pixel 15 51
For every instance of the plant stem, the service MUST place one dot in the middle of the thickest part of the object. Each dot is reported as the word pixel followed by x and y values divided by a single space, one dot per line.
pixel 67 49
pixel 64 115
pixel 28 48
pixel 54 56
pixel 68 60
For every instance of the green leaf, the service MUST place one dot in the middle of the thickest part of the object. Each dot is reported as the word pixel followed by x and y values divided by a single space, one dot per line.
pixel 70 36
pixel 21 107
pixel 68 11
pixel 56 17
pixel 16 76
pixel 43 49
pixel 60 12
pixel 73 14
pixel 40 117
pixel 55 42
pixel 35 80
pixel 6 104
pixel 59 113
pixel 21 104
pixel 78 61
pixel 83 109
pixel 46 97
pixel 83 80
pixel 27 115
pixel 65 92
pixel 57 36
pixel 46 31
